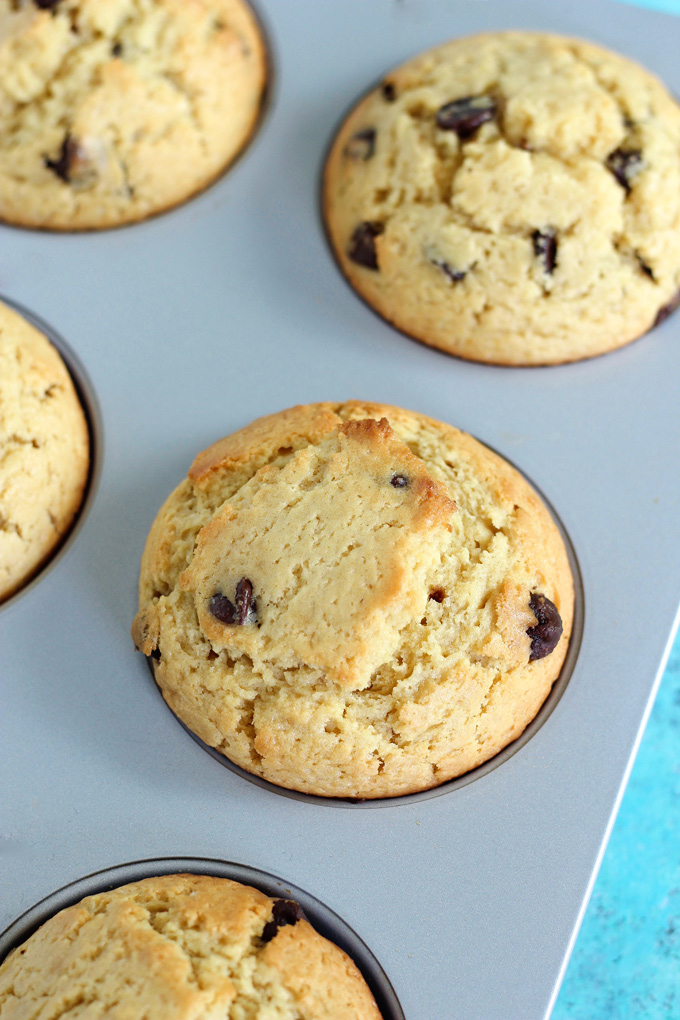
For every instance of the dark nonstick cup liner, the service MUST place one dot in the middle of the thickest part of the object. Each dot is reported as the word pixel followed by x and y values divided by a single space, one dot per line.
pixel 90 405
pixel 547 708
pixel 323 919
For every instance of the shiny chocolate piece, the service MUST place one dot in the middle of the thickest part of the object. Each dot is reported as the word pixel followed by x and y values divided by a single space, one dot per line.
pixel 548 630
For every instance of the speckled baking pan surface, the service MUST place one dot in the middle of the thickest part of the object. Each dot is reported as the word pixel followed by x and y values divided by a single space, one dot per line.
pixel 189 326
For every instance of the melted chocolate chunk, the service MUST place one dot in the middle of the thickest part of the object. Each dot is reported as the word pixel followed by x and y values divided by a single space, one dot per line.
pixel 74 164
pixel 222 609
pixel 67 156
pixel 399 481
pixel 548 630
pixel 245 602
pixel 156 654
pixel 545 248
pixel 388 92
pixel 465 116
pixel 625 164
pixel 362 244
pixel 361 145
pixel 667 310
pixel 46 5
pixel 245 610
pixel 284 912
pixel 454 275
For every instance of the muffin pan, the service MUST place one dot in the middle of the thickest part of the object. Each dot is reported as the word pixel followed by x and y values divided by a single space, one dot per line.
pixel 193 324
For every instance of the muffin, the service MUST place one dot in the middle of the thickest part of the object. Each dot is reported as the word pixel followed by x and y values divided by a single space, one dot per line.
pixel 112 111
pixel 512 198
pixel 44 451
pixel 354 600
pixel 182 947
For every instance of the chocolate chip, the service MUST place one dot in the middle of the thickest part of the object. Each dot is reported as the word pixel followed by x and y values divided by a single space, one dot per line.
pixel 548 630
pixel 399 481
pixel 245 602
pixel 625 164
pixel 245 610
pixel 545 248
pixel 647 270
pixel 156 654
pixel 362 244
pixel 437 595
pixel 67 155
pixel 284 912
pixel 222 609
pixel 117 49
pixel 361 145
pixel 389 93
pixel 74 165
pixel 465 116
pixel 46 5
pixel 454 275
pixel 667 310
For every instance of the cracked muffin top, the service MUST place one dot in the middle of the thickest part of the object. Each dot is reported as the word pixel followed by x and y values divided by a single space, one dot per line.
pixel 354 600
pixel 44 450
pixel 512 198
pixel 112 110
pixel 182 947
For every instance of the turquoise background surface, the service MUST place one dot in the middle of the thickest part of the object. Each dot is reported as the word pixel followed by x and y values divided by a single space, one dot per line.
pixel 626 962
pixel 670 6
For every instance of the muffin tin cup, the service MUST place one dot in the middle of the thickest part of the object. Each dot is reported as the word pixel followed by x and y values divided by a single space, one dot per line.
pixel 545 711
pixel 671 308
pixel 322 918
pixel 266 101
pixel 93 416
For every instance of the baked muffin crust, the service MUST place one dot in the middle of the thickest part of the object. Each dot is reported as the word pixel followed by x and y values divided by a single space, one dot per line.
pixel 44 450
pixel 182 947
pixel 112 110
pixel 339 598
pixel 513 198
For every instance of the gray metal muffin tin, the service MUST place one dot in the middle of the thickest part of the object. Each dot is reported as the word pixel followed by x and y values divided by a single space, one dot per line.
pixel 230 307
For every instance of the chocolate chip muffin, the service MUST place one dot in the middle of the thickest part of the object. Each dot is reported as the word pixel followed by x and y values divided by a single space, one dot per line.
pixel 354 600
pixel 182 947
pixel 110 112
pixel 44 450
pixel 512 198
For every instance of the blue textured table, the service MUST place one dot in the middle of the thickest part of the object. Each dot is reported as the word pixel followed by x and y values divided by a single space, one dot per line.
pixel 626 962
pixel 669 6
